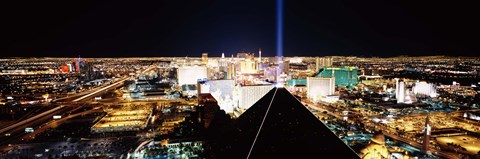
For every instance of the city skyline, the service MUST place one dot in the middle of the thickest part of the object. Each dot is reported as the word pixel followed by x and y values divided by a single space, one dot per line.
pixel 232 107
pixel 167 28
pixel 215 79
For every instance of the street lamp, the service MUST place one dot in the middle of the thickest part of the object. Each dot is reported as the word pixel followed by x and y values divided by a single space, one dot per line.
pixel 46 97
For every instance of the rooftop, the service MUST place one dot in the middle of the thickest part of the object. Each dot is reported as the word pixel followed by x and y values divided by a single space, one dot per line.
pixel 279 126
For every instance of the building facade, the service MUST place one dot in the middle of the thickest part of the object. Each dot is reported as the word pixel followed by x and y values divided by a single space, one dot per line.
pixel 191 74
pixel 344 76
pixel 318 87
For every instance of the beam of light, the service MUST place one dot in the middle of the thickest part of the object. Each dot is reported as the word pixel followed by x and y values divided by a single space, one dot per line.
pixel 279 28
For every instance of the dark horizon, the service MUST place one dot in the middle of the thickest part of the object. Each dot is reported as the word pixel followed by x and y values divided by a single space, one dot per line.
pixel 178 29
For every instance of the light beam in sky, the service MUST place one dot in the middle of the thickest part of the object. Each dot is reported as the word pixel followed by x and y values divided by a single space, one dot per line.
pixel 279 28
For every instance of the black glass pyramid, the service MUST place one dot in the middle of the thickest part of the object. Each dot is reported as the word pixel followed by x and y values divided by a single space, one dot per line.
pixel 289 130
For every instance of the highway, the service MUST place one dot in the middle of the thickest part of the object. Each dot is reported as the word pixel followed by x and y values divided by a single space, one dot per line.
pixel 17 133
pixel 419 146
pixel 106 88
pixel 17 128
pixel 30 121
pixel 55 123
pixel 14 134
pixel 51 111
pixel 87 93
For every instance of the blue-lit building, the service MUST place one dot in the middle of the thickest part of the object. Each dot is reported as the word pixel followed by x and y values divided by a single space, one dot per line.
pixel 344 76
pixel 296 82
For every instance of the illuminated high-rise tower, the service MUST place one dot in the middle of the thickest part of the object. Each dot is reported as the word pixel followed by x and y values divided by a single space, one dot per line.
pixel 426 135
pixel 223 64
pixel 248 65
pixel 260 55
pixel 79 63
pixel 318 87
pixel 323 62
pixel 344 76
pixel 231 71
pixel 396 87
pixel 400 92
pixel 204 58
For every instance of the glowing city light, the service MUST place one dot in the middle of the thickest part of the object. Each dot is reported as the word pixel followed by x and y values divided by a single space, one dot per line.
pixel 279 85
pixel 309 102
pixel 279 28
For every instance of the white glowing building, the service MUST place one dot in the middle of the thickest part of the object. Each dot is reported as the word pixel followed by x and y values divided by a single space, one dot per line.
pixel 424 88
pixel 223 91
pixel 249 95
pixel 248 65
pixel 318 87
pixel 295 60
pixel 70 67
pixel 191 74
pixel 400 92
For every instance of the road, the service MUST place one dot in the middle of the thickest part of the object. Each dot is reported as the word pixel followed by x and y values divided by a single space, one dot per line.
pixel 17 133
pixel 89 93
pixel 419 146
pixel 17 128
pixel 44 120
pixel 29 120
pixel 83 97
pixel 100 90
pixel 55 123
pixel 40 126
pixel 52 111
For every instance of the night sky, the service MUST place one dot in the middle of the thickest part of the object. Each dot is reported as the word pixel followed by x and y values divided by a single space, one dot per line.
pixel 115 28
